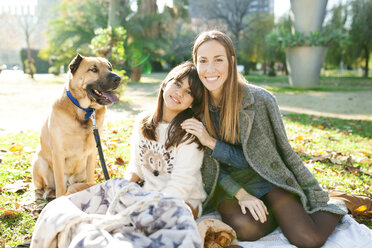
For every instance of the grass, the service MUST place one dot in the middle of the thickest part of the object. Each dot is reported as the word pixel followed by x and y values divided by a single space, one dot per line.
pixel 337 151
pixel 280 83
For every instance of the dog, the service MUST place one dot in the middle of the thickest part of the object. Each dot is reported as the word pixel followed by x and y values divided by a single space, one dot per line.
pixel 67 152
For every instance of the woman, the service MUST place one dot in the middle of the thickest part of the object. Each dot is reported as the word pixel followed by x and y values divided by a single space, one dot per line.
pixel 164 157
pixel 250 154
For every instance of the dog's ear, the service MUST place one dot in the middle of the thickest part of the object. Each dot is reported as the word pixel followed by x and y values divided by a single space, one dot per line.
pixel 74 65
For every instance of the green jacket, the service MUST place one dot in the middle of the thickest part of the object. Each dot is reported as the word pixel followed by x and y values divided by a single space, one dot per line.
pixel 268 152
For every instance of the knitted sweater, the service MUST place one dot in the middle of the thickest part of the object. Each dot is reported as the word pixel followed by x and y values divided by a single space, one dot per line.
pixel 174 172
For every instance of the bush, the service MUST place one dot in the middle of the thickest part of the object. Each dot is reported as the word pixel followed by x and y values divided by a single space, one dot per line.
pixel 285 39
pixel 41 65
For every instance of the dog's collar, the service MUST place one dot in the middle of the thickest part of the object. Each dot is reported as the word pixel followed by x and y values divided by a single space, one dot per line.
pixel 88 110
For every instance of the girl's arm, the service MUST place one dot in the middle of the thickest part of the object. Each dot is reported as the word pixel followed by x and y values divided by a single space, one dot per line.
pixel 133 173
pixel 186 167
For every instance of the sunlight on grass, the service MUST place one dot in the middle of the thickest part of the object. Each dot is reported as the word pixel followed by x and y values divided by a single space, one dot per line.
pixel 153 77
pixel 338 152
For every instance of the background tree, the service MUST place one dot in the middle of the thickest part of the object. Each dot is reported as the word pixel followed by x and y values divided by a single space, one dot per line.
pixel 361 31
pixel 73 29
pixel 277 51
pixel 179 33
pixel 254 47
pixel 232 13
pixel 338 52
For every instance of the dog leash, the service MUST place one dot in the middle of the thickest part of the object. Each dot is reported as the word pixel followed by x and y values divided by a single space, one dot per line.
pixel 90 114
pixel 99 147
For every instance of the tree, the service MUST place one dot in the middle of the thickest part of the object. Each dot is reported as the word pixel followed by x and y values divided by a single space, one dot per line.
pixel 179 33
pixel 361 31
pixel 73 29
pixel 255 48
pixel 338 51
pixel 232 13
pixel 277 52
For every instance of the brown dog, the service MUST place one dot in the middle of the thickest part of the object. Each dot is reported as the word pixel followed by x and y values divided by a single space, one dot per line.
pixel 68 152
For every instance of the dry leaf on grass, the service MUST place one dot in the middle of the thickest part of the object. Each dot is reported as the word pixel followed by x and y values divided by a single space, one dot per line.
pixel 119 161
pixel 16 186
pixel 8 213
pixel 16 148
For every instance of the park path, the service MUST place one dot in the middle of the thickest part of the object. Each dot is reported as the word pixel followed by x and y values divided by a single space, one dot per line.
pixel 24 103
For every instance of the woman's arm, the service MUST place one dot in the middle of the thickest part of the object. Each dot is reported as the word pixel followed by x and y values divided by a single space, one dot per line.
pixel 255 206
pixel 309 184
pixel 223 152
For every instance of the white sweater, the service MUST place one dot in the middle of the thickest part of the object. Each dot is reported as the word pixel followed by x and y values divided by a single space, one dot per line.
pixel 174 172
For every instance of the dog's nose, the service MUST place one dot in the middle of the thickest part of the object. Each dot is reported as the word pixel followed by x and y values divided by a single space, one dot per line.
pixel 115 78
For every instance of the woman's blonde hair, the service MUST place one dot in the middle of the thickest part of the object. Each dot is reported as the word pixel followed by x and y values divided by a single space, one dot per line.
pixel 232 90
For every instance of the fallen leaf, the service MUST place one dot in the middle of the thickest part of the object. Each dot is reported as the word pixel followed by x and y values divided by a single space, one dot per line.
pixel 320 127
pixel 16 148
pixel 16 186
pixel 336 161
pixel 119 161
pixel 319 170
pixel 367 153
pixel 8 213
pixel 367 213
pixel 299 138
pixel 360 209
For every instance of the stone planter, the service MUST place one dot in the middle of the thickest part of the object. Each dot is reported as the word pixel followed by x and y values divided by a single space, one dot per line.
pixel 307 15
pixel 304 64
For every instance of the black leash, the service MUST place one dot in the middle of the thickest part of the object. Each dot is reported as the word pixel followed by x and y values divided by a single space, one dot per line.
pixel 99 147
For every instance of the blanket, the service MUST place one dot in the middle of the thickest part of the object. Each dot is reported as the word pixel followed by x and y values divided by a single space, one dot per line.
pixel 347 234
pixel 116 213
pixel 120 214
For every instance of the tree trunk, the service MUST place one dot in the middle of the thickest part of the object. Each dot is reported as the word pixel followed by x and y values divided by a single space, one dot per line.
pixel 29 63
pixel 114 18
pixel 136 74
pixel 367 61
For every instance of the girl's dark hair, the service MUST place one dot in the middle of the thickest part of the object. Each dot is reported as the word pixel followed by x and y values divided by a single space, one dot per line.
pixel 177 135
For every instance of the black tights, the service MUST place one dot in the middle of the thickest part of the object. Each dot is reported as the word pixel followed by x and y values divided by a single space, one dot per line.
pixel 285 210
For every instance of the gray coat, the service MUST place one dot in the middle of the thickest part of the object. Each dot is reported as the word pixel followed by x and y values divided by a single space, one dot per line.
pixel 268 152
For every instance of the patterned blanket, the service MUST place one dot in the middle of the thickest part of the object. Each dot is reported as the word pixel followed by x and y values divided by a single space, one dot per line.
pixel 115 214
pixel 120 214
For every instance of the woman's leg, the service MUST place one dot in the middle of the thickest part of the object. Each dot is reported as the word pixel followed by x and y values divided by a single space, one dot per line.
pixel 301 229
pixel 245 226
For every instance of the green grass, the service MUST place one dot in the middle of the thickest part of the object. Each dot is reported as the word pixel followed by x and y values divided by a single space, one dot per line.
pixel 324 144
pixel 280 83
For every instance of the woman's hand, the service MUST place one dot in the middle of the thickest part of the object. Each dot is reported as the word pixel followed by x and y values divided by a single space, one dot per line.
pixel 195 127
pixel 255 206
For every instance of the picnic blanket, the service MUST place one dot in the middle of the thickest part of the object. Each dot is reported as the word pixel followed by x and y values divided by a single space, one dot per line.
pixel 348 234
pixel 116 213
pixel 120 214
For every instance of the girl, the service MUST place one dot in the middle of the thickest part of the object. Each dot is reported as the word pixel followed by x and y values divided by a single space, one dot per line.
pixel 164 157
pixel 251 156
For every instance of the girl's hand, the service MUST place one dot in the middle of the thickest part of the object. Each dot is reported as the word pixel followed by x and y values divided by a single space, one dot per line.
pixel 255 206
pixel 196 127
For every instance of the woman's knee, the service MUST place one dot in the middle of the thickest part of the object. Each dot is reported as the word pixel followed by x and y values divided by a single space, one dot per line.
pixel 308 239
pixel 245 226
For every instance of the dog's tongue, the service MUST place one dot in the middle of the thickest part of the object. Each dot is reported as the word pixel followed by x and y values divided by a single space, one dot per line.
pixel 112 97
